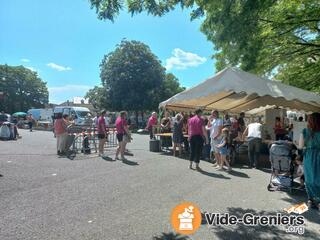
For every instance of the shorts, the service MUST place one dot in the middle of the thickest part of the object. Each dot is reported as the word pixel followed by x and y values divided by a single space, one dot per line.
pixel 223 151
pixel 120 137
pixel 215 142
pixel 101 135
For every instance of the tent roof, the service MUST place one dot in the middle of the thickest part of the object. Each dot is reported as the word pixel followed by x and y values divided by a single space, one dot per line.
pixel 235 91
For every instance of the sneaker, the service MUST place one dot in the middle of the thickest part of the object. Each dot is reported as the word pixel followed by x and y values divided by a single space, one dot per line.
pixel 215 165
pixel 124 159
pixel 190 166
pixel 116 158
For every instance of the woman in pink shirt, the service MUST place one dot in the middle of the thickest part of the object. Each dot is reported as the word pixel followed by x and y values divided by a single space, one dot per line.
pixel 60 130
pixel 196 132
pixel 122 130
pixel 153 121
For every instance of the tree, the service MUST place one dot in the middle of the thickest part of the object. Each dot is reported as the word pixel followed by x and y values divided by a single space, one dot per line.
pixel 22 88
pixel 170 87
pixel 132 75
pixel 132 79
pixel 98 97
pixel 267 37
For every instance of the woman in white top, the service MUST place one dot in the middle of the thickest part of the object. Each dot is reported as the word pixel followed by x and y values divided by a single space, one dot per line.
pixel 215 125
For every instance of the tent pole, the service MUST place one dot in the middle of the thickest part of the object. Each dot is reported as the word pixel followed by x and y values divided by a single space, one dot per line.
pixel 230 109
pixel 230 94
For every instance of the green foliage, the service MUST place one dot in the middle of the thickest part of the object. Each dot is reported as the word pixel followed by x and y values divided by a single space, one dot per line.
pixel 98 97
pixel 132 75
pixel 23 89
pixel 170 87
pixel 280 38
pixel 132 79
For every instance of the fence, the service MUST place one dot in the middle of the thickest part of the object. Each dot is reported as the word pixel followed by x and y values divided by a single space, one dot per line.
pixel 80 133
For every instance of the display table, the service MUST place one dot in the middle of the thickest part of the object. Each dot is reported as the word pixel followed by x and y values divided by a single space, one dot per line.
pixel 164 135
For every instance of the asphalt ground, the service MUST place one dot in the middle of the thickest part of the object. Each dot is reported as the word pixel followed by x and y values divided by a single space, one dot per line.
pixel 45 197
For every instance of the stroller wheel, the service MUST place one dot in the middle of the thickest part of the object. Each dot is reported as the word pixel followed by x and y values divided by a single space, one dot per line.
pixel 270 188
pixel 71 154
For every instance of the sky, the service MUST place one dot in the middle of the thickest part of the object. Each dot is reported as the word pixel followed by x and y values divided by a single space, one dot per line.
pixel 64 41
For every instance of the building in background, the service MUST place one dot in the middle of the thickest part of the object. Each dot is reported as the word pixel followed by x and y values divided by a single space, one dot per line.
pixel 79 102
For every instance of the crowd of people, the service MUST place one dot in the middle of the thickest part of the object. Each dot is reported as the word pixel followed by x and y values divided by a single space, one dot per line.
pixel 102 123
pixel 204 136
pixel 198 132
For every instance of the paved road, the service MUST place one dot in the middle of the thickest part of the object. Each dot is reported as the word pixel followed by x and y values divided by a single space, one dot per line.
pixel 46 197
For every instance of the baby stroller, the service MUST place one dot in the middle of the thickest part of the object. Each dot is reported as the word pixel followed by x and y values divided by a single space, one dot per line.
pixel 70 146
pixel 281 153
pixel 71 141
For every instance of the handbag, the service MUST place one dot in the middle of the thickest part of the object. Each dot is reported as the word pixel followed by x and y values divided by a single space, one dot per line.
pixel 127 137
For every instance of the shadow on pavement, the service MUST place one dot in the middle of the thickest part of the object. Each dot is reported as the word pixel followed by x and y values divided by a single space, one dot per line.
pixel 184 156
pixel 238 166
pixel 170 236
pixel 109 159
pixel 211 174
pixel 130 163
pixel 128 153
pixel 266 170
pixel 238 174
pixel 240 231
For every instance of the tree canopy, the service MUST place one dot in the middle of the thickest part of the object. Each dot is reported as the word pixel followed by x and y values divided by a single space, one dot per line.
pixel 133 79
pixel 98 97
pixel 169 87
pixel 22 88
pixel 131 75
pixel 278 38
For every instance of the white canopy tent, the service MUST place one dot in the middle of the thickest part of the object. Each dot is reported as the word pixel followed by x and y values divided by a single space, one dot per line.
pixel 235 91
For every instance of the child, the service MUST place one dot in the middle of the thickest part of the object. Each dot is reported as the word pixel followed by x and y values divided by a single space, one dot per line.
pixel 223 149
pixel 300 172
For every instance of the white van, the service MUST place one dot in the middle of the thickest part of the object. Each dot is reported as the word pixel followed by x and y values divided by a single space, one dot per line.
pixel 81 115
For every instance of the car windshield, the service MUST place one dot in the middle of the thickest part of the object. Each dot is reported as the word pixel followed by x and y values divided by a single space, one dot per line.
pixel 84 114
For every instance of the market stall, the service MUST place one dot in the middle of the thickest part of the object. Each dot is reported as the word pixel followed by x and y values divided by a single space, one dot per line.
pixel 236 91
pixel 233 91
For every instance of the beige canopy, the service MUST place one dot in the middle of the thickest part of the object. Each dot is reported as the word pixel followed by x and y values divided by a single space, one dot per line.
pixel 234 90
